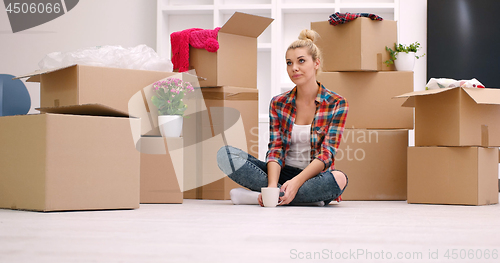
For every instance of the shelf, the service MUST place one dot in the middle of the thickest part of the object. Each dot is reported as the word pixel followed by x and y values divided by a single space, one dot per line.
pixel 264 46
pixel 341 7
pixel 308 8
pixel 367 5
pixel 188 9
pixel 263 118
pixel 252 9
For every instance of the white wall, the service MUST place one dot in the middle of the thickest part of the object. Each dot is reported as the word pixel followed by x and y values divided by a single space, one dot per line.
pixel 90 23
pixel 412 26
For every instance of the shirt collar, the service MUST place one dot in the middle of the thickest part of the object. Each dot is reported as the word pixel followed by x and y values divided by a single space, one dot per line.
pixel 321 93
pixel 319 97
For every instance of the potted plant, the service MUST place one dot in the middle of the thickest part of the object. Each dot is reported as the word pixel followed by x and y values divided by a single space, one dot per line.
pixel 168 99
pixel 403 56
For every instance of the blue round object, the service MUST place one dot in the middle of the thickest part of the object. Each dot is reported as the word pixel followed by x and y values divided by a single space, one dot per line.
pixel 14 96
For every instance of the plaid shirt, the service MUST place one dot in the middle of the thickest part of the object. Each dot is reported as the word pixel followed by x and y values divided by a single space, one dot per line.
pixel 326 128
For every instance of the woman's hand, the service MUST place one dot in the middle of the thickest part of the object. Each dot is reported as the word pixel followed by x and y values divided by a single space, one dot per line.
pixel 261 203
pixel 290 187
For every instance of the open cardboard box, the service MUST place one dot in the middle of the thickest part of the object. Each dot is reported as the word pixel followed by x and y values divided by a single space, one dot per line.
pixel 456 116
pixel 375 163
pixel 235 63
pixel 453 175
pixel 70 158
pixel 370 94
pixel 358 45
pixel 81 84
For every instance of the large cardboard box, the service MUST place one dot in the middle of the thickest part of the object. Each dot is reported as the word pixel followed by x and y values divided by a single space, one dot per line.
pixel 231 119
pixel 370 97
pixel 161 182
pixel 375 163
pixel 358 45
pixel 81 84
pixel 456 116
pixel 61 162
pixel 235 63
pixel 453 175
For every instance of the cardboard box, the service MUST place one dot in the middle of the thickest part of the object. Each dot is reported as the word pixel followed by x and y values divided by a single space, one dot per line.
pixel 161 183
pixel 370 97
pixel 358 45
pixel 62 162
pixel 375 163
pixel 80 84
pixel 453 175
pixel 235 63
pixel 456 116
pixel 231 119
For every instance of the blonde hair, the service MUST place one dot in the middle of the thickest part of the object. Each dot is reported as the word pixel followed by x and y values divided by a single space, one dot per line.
pixel 306 39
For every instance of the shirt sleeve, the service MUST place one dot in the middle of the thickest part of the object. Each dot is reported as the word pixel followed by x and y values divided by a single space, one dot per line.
pixel 275 150
pixel 333 135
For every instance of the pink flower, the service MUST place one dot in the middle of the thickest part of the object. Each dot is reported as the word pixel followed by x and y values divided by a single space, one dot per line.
pixel 168 101
pixel 173 96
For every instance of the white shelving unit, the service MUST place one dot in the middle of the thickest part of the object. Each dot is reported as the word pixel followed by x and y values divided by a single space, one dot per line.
pixel 290 17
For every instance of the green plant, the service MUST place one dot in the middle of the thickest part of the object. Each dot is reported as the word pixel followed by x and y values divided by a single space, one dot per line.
pixel 169 96
pixel 414 47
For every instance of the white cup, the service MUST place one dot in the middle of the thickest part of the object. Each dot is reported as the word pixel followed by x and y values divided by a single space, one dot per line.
pixel 270 196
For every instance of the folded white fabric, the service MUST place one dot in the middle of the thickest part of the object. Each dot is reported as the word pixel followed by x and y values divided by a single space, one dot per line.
pixel 442 83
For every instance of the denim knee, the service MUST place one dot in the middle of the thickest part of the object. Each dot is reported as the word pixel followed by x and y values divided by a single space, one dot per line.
pixel 223 159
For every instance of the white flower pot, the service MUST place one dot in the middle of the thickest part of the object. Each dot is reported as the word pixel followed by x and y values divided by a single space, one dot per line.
pixel 405 61
pixel 170 125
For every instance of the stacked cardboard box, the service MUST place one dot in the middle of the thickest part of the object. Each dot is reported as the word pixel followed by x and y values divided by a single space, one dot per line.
pixel 164 161
pixel 83 150
pixel 80 159
pixel 373 148
pixel 161 182
pixel 228 113
pixel 453 161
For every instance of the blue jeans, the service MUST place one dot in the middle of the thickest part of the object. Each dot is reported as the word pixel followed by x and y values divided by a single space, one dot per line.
pixel 251 173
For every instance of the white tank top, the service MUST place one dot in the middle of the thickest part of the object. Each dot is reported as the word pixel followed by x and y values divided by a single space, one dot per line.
pixel 299 154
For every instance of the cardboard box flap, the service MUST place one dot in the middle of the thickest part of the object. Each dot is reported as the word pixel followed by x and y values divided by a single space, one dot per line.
pixel 35 76
pixel 410 102
pixel 480 96
pixel 484 96
pixel 246 25
pixel 85 109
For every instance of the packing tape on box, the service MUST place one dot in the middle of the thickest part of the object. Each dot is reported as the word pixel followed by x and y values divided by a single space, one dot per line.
pixel 230 95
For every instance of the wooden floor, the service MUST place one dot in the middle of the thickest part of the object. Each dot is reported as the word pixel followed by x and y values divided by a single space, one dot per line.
pixel 217 231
